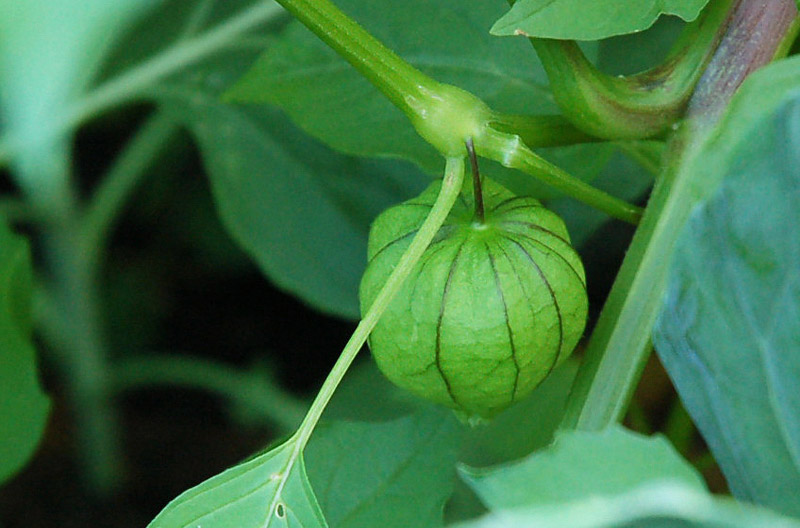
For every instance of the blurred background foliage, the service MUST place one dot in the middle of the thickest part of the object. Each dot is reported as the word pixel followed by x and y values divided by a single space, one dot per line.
pixel 229 283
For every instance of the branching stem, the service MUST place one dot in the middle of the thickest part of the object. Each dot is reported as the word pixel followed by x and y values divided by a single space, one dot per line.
pixel 620 344
pixel 445 115
pixel 635 106
pixel 116 187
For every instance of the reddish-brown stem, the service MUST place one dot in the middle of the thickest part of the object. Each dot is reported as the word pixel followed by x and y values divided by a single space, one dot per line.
pixel 756 31
pixel 620 344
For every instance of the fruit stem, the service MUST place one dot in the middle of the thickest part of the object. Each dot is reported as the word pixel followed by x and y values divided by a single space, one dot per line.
pixel 451 187
pixel 480 216
pixel 445 115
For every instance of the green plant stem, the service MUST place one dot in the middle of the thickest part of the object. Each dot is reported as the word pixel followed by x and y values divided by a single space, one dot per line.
pixel 679 428
pixel 397 79
pixel 120 181
pixel 637 418
pixel 451 187
pixel 620 344
pixel 133 82
pixel 202 10
pixel 445 115
pixel 186 52
pixel 77 340
pixel 251 391
pixel 647 154
pixel 479 214
pixel 637 106
pixel 511 152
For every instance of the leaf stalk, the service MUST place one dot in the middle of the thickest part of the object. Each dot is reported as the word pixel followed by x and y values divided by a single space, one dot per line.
pixel 447 116
pixel 620 344
pixel 636 106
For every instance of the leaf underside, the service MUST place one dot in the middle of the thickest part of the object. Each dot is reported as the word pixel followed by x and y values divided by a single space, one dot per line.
pixel 595 20
pixel 728 333
pixel 241 497
pixel 608 479
pixel 579 465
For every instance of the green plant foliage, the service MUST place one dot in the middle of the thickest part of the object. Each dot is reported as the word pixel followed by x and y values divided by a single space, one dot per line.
pixel 337 194
pixel 509 436
pixel 636 52
pixel 579 20
pixel 366 473
pixel 23 406
pixel 728 330
pixel 167 25
pixel 303 153
pixel 386 400
pixel 299 209
pixel 249 496
pixel 620 176
pixel 262 169
pixel 49 51
pixel 648 506
pixel 330 100
pixel 579 465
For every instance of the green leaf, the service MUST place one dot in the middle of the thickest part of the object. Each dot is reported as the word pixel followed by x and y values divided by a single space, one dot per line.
pixel 728 332
pixel 283 199
pixel 599 19
pixel 270 490
pixel 49 51
pixel 300 210
pixel 23 406
pixel 393 474
pixel 164 27
pixel 386 400
pixel 636 52
pixel 652 505
pixel 510 435
pixel 579 465
pixel 330 100
pixel 620 177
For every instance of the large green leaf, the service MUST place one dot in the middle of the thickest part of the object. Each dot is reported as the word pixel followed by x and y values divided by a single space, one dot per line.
pixel 445 39
pixel 270 490
pixel 579 465
pixel 289 201
pixel 386 400
pixel 595 20
pixel 729 331
pixel 393 474
pixel 301 210
pixel 651 505
pixel 23 405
